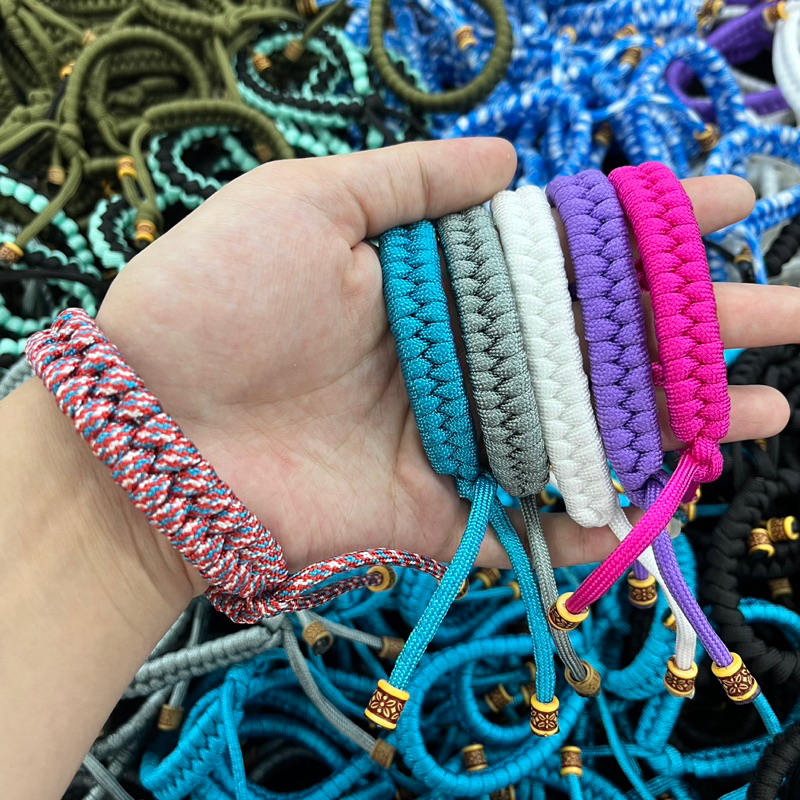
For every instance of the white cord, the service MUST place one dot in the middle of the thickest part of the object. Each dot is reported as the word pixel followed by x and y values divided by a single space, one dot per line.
pixel 786 57
pixel 535 264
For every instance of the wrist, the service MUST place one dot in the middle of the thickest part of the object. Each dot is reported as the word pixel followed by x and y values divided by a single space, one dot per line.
pixel 81 512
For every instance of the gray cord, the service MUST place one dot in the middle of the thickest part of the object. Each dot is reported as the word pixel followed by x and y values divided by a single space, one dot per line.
pixel 15 376
pixel 192 662
pixel 104 778
pixel 496 362
pixel 116 767
pixel 343 632
pixel 503 389
pixel 170 638
pixel 199 617
pixel 138 724
pixel 332 714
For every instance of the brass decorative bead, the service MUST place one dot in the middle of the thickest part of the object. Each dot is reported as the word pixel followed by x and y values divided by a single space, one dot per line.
pixel 56 175
pixel 561 618
pixel 759 543
pixel 474 757
pixel 708 138
pixel 465 37
pixel 670 623
pixel 737 681
pixel 125 167
pixel 88 37
pixel 386 705
pixel 544 717
pixel 294 50
pixel 144 232
pixel 680 682
pixel 391 647
pixel 776 13
pixel 571 761
pixel 632 56
pixel 66 70
pixel 317 637
pixel 383 753
pixel 590 685
pixel 509 793
pixel 307 7
pixel 10 252
pixel 570 33
pixel 744 256
pixel 170 717
pixel 488 577
pixel 642 593
pixel 626 32
pixel 262 62
pixel 463 590
pixel 388 578
pixel 782 529
pixel 780 587
pixel 603 135
pixel 498 698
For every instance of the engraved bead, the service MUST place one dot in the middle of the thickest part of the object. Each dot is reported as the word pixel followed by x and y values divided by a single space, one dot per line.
pixel 642 593
pixel 563 620
pixel 391 647
pixel 388 578
pixel 544 717
pixel 317 637
pixel 680 682
pixel 571 761
pixel 169 717
pixel 498 698
pixel 386 705
pixel 383 753
pixel 759 543
pixel 590 685
pixel 474 757
pixel 737 681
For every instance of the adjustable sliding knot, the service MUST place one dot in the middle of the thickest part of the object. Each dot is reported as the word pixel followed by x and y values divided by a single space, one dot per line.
pixel 708 457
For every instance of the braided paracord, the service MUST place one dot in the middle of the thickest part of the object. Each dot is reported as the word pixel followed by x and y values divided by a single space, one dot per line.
pixel 619 362
pixel 778 758
pixel 420 322
pixel 536 268
pixel 501 383
pixel 690 351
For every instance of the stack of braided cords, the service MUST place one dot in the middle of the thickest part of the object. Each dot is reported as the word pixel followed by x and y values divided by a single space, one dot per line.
pixel 753 503
pixel 691 362
pixel 619 361
pixel 536 268
pixel 779 757
pixel 420 322
pixel 784 248
pixel 501 384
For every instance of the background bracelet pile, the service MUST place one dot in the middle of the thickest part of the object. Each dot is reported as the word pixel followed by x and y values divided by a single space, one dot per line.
pixel 118 118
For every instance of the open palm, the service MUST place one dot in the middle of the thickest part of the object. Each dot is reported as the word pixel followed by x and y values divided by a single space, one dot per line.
pixel 259 321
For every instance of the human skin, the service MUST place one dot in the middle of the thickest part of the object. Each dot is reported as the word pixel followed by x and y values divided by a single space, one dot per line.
pixel 260 325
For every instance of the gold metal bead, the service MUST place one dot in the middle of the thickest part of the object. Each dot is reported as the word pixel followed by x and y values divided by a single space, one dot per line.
pixel 463 590
pixel 262 62
pixel 391 647
pixel 388 578
pixel 708 138
pixel 780 587
pixel 632 56
pixel 125 167
pixel 642 593
pixel 386 705
pixel 66 70
pixel 759 543
pixel 488 577
pixel 474 757
pixel 515 590
pixel 737 681
pixel 294 50
pixel 509 793
pixel 544 717
pixel 56 175
pixel 307 7
pixel 317 637
pixel 144 232
pixel 776 13
pixel 383 753
pixel 680 682
pixel 782 529
pixel 590 685
pixel 571 761
pixel 170 717
pixel 88 37
pixel 744 256
pixel 561 618
pixel 670 623
pixel 547 499
pixel 465 37
pixel 528 691
pixel 10 252
pixel 626 32
pixel 497 698
pixel 603 135
pixel 570 33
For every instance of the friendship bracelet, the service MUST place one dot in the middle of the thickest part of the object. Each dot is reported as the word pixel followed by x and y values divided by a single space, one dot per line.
pixel 502 388
pixel 419 320
pixel 690 349
pixel 536 269
pixel 619 362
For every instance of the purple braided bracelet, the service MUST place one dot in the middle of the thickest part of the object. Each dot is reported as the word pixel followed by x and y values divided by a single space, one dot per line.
pixel 619 362
pixel 739 41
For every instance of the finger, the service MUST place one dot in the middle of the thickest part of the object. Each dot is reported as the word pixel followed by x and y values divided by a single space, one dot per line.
pixel 758 316
pixel 757 412
pixel 568 542
pixel 365 194
pixel 718 201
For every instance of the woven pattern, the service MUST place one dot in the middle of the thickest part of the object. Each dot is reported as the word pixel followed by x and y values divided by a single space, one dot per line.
pixel 164 475
pixel 690 348
pixel 614 326
pixel 495 355
pixel 420 322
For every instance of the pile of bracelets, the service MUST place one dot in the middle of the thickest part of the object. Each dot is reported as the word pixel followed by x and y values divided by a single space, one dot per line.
pixel 670 671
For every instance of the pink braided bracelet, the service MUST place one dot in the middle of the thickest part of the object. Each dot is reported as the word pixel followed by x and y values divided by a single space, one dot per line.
pixel 178 490
pixel 691 357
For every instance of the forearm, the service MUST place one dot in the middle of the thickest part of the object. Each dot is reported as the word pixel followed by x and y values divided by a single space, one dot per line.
pixel 86 590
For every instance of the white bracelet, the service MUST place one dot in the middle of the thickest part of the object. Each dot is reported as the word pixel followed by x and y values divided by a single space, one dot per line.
pixel 536 269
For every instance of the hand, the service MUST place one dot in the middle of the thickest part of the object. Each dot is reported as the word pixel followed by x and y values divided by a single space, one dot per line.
pixel 260 324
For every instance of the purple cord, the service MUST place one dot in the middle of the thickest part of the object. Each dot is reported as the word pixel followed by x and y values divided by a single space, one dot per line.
pixel 738 41
pixel 619 362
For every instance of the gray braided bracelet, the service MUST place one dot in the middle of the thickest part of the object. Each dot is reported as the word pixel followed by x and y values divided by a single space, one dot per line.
pixel 502 385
